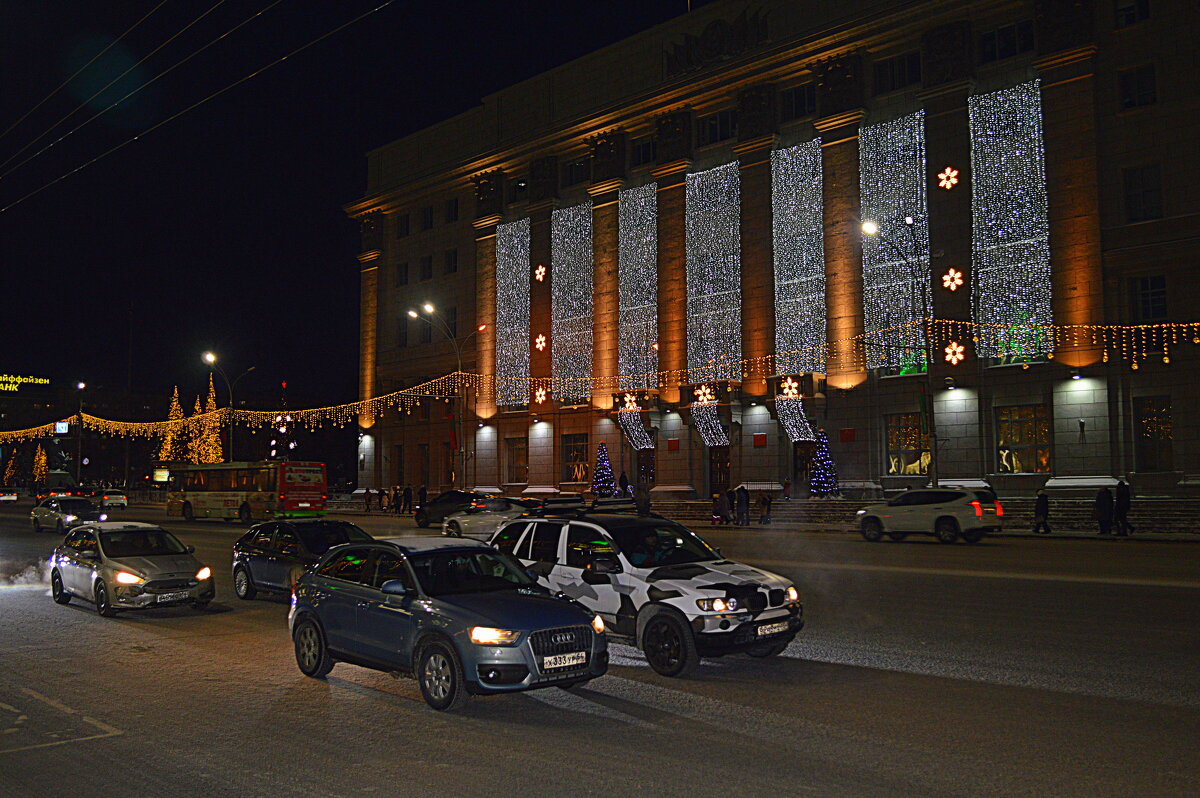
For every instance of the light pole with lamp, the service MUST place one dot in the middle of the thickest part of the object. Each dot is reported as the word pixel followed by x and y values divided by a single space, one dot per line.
pixel 430 316
pixel 79 386
pixel 211 359
pixel 870 228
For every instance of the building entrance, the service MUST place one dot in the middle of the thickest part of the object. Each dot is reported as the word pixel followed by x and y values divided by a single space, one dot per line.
pixel 718 469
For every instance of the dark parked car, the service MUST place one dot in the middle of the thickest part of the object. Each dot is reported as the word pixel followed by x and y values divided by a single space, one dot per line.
pixel 272 556
pixel 435 510
pixel 461 617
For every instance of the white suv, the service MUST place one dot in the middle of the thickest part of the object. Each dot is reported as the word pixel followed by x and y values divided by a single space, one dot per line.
pixel 657 585
pixel 945 513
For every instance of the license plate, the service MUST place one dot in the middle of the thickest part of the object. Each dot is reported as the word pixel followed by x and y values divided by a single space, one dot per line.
pixel 564 660
pixel 172 596
pixel 305 504
pixel 772 629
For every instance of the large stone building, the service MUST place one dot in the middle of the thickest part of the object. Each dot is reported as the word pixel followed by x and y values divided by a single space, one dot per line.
pixel 713 242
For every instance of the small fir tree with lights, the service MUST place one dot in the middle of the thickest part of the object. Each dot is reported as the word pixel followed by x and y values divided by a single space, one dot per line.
pixel 283 436
pixel 10 470
pixel 174 442
pixel 822 474
pixel 603 484
pixel 195 435
pixel 41 466
pixel 212 451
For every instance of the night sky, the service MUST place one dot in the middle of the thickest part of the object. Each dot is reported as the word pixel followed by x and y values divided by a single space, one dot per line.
pixel 223 229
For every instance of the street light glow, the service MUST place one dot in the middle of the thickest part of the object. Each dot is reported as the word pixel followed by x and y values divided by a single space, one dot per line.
pixel 81 385
pixel 210 358
pixel 870 228
pixel 427 307
pixel 412 314
pixel 481 328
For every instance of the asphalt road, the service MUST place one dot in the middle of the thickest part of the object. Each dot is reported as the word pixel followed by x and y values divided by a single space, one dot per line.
pixel 1015 667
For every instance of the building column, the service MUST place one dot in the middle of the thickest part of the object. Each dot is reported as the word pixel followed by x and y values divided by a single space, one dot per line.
pixel 485 468
pixel 370 259
pixel 672 278
pixel 606 230
pixel 758 264
pixel 543 473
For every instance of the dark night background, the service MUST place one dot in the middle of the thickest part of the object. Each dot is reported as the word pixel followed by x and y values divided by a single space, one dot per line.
pixel 223 229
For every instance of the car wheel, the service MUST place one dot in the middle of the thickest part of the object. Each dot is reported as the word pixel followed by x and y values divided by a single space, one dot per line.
pixel 188 514
pixel 897 536
pixel 243 585
pixel 244 514
pixel 311 653
pixel 421 519
pixel 946 530
pixel 768 649
pixel 872 530
pixel 60 594
pixel 972 535
pixel 103 605
pixel 669 646
pixel 441 678
pixel 453 529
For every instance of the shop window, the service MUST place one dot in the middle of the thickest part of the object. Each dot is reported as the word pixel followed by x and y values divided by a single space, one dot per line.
pixel 907 445
pixel 516 452
pixel 1023 439
pixel 575 457
pixel 1152 433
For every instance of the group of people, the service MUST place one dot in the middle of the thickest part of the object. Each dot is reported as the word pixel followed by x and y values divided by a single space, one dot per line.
pixel 733 507
pixel 396 499
pixel 1109 511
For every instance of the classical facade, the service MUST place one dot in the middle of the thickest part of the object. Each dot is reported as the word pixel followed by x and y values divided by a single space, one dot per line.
pixel 954 239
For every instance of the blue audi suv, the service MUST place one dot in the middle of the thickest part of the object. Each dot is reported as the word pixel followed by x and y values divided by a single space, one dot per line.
pixel 461 617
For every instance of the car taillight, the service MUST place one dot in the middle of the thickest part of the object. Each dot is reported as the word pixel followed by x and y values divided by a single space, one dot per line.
pixel 978 509
pixel 999 510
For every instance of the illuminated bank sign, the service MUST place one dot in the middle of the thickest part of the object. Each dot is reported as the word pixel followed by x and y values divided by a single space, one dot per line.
pixel 11 383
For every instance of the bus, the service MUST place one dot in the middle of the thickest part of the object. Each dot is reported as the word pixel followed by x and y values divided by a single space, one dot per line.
pixel 247 491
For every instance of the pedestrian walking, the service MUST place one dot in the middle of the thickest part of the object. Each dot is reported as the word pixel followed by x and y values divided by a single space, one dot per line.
pixel 1103 512
pixel 720 509
pixel 407 498
pixel 395 499
pixel 730 506
pixel 764 509
pixel 422 495
pixel 383 500
pixel 743 506
pixel 367 500
pixel 1041 514
pixel 1121 509
pixel 623 484
pixel 787 490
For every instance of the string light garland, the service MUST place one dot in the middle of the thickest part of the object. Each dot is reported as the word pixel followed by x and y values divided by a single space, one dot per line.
pixel 707 421
pixel 952 279
pixel 789 388
pixel 797 221
pixel 712 222
pixel 1010 223
pixel 571 299
pixel 896 276
pixel 796 425
pixel 634 428
pixel 512 312
pixel 637 286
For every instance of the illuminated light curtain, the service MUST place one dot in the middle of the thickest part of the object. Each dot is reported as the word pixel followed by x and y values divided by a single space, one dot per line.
pixel 571 301
pixel 512 313
pixel 1010 226
pixel 793 419
pixel 707 421
pixel 799 245
pixel 634 429
pixel 714 294
pixel 637 259
pixel 896 280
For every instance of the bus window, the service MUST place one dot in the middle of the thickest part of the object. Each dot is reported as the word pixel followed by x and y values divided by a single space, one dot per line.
pixel 264 479
pixel 195 481
pixel 244 479
pixel 220 480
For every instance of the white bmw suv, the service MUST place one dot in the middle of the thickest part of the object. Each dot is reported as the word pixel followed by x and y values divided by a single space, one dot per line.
pixel 945 513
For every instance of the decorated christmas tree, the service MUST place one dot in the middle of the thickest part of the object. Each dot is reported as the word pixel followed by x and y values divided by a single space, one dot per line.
pixel 195 435
pixel 283 439
pixel 205 445
pixel 41 468
pixel 822 474
pixel 603 484
pixel 10 470
pixel 174 442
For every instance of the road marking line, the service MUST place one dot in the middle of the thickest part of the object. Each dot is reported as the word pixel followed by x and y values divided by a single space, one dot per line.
pixel 105 729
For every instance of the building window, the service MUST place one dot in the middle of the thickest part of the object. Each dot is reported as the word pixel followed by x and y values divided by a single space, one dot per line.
pixel 452 209
pixel 717 127
pixel 1149 298
pixel 1023 439
pixel 1152 433
pixel 519 190
pixel 402 333
pixel 897 72
pixel 643 150
pixel 1138 88
pixel 1005 42
pixel 450 316
pixel 1131 12
pixel 427 267
pixel 451 261
pixel 575 457
pixel 1143 193
pixel 401 274
pixel 516 452
pixel 402 225
pixel 427 218
pixel 579 171
pixel 426 331
pixel 907 445
pixel 798 102
pixel 423 463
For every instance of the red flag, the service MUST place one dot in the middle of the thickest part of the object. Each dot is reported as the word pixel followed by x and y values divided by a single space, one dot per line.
pixel 453 436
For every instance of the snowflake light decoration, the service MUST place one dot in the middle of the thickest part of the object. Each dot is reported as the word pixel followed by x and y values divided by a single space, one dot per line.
pixel 955 352
pixel 947 179
pixel 704 394
pixel 539 273
pixel 539 395
pixel 539 343
pixel 631 402
pixel 789 388
pixel 952 279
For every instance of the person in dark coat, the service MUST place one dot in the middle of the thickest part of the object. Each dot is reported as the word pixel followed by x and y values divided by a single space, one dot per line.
pixel 787 490
pixel 422 495
pixel 1041 514
pixel 406 498
pixel 367 500
pixel 764 509
pixel 720 509
pixel 1104 510
pixel 623 484
pixel 382 494
pixel 743 506
pixel 730 506
pixel 1121 509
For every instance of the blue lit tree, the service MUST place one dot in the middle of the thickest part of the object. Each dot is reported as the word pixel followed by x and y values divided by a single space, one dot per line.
pixel 603 484
pixel 822 474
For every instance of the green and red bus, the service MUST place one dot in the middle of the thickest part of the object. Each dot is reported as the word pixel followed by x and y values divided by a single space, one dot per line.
pixel 247 491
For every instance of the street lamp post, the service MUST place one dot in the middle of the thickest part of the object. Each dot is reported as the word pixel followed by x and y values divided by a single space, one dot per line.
pixel 79 386
pixel 430 316
pixel 919 304
pixel 211 359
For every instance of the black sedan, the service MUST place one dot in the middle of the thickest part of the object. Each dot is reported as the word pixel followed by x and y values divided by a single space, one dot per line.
pixel 436 509
pixel 272 556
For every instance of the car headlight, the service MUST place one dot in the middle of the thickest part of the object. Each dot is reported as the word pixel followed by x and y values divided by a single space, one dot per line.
pixel 126 578
pixel 861 512
pixel 598 625
pixel 717 604
pixel 204 573
pixel 103 516
pixel 69 518
pixel 792 593
pixel 489 636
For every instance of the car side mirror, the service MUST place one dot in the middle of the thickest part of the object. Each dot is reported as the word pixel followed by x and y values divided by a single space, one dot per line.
pixel 190 549
pixel 394 587
pixel 88 554
pixel 606 565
